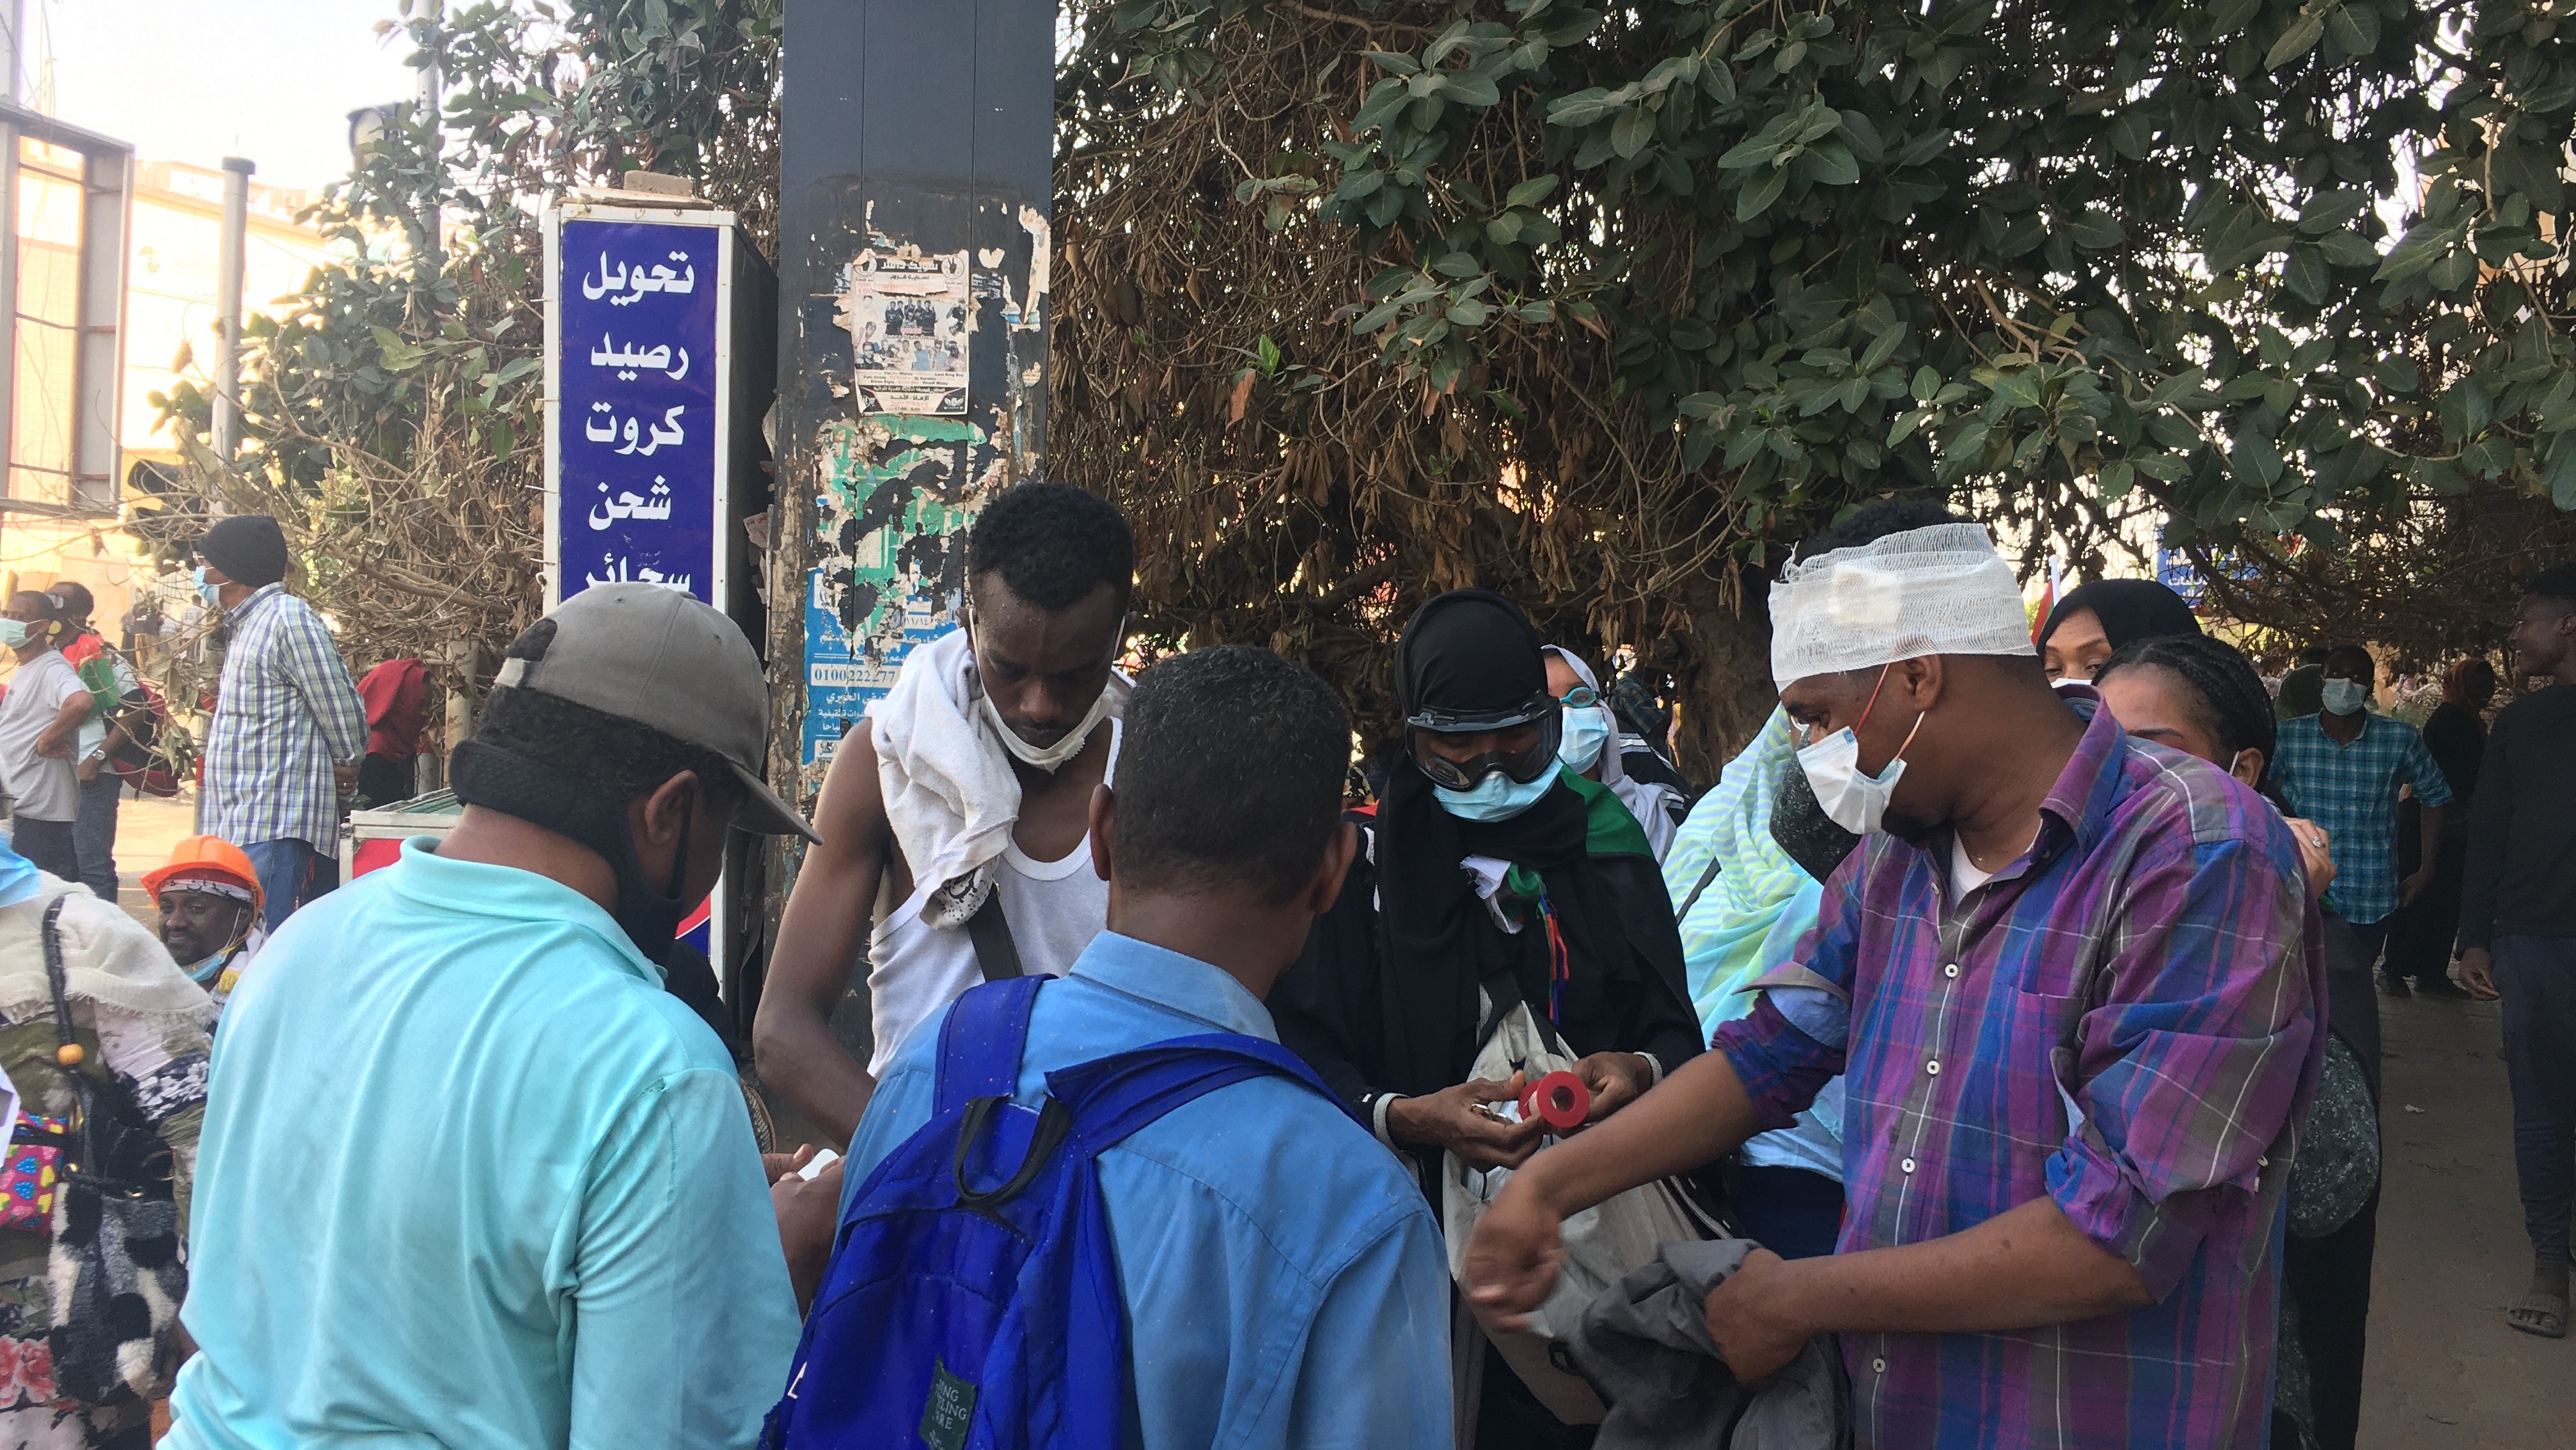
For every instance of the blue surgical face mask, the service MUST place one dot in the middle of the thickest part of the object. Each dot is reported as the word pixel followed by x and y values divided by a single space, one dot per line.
pixel 2343 697
pixel 1587 729
pixel 207 590
pixel 13 633
pixel 1496 797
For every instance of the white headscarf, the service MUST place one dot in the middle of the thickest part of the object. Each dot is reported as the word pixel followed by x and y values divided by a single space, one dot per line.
pixel 1655 805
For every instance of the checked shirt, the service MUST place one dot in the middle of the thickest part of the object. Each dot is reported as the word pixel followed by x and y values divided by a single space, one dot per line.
pixel 2351 791
pixel 2125 1020
pixel 285 713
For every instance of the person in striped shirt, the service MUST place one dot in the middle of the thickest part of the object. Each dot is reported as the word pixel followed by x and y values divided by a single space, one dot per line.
pixel 288 727
pixel 2074 982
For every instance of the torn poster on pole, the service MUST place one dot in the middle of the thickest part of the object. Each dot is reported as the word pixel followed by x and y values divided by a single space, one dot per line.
pixel 907 315
pixel 890 557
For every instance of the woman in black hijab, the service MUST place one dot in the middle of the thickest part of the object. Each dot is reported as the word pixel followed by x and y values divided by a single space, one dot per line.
pixel 2105 615
pixel 1488 867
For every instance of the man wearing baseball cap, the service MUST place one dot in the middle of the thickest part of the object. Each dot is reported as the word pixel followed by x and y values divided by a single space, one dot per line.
pixel 288 726
pixel 474 1177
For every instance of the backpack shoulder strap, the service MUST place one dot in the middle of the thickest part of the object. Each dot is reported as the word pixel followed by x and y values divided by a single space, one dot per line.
pixel 997 953
pixel 980 1041
pixel 1112 1097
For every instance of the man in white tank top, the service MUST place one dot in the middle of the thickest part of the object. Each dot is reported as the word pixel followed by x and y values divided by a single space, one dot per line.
pixel 964 798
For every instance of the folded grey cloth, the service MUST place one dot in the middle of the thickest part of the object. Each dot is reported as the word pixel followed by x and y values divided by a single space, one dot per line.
pixel 1644 1345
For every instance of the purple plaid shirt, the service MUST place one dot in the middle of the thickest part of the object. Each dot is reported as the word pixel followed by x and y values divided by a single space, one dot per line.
pixel 2126 1020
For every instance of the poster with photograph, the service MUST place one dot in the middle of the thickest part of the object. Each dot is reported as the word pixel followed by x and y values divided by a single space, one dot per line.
pixel 907 315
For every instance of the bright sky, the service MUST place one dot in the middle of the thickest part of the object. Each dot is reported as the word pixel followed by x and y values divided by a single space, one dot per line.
pixel 199 80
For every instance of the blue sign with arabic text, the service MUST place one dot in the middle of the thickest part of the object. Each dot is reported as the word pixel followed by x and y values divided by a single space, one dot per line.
pixel 636 322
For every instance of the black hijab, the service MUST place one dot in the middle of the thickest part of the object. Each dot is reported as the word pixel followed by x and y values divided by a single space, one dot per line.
pixel 2128 608
pixel 1471 650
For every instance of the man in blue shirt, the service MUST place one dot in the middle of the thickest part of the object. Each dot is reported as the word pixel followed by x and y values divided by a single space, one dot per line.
pixel 1283 1279
pixel 471 1175
pixel 2342 769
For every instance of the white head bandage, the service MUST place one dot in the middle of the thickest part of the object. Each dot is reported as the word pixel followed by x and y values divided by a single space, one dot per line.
pixel 1937 591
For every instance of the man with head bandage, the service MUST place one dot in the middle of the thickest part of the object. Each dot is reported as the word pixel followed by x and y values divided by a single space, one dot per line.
pixel 2074 981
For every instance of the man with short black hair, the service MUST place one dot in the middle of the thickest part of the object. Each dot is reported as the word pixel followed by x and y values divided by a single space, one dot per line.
pixel 2342 768
pixel 2518 927
pixel 2074 982
pixel 40 720
pixel 1282 1276
pixel 953 820
pixel 2299 694
pixel 473 1176
pixel 288 728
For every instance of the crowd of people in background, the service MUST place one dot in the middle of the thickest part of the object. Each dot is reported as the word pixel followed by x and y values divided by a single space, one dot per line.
pixel 1989 1056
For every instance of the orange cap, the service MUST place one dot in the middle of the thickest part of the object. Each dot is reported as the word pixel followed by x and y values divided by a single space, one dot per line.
pixel 207 858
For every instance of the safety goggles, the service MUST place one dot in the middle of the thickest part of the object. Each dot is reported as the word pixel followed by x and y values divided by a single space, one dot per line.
pixel 1581 697
pixel 1522 765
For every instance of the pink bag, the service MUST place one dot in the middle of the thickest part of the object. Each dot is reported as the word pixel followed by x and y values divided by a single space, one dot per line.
pixel 27 1173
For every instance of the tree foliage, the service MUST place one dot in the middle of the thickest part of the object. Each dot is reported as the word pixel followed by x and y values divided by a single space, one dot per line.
pixel 1607 304
pixel 391 412
pixel 1599 305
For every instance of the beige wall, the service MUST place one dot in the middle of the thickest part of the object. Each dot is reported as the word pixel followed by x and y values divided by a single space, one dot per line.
pixel 169 300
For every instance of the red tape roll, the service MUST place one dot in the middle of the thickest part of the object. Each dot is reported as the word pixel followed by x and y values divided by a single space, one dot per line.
pixel 1559 1099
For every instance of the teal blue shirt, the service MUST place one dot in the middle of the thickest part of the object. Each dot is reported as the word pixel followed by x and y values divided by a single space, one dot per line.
pixel 470 1176
pixel 1285 1284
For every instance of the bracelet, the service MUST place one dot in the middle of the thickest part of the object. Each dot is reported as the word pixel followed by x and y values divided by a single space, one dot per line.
pixel 1655 1063
pixel 1377 1106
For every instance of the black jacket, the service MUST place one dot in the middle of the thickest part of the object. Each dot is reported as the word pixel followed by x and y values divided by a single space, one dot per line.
pixel 1333 1006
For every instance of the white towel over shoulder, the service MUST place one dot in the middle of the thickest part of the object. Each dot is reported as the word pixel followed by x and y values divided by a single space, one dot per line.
pixel 950 795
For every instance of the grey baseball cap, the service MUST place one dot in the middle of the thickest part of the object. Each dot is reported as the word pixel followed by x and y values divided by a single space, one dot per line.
pixel 661 658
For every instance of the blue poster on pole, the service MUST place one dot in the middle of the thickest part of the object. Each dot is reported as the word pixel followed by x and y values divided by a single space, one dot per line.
pixel 637 379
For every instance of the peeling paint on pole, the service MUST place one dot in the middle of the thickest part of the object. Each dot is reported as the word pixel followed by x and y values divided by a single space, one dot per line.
pixel 912 133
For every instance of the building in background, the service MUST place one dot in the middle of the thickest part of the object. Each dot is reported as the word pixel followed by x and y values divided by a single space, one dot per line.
pixel 65 196
pixel 57 521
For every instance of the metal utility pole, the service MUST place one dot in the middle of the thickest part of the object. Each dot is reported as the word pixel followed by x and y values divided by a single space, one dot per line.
pixel 13 49
pixel 430 13
pixel 427 17
pixel 228 306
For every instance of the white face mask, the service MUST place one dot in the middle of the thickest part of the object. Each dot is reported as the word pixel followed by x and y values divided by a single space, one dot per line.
pixel 2343 697
pixel 1586 731
pixel 1046 757
pixel 1850 799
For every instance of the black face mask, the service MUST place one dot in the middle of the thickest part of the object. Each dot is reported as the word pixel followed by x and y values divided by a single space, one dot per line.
pixel 489 776
pixel 1800 826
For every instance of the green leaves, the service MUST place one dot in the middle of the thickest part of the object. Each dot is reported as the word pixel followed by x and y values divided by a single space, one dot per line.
pixel 2298 40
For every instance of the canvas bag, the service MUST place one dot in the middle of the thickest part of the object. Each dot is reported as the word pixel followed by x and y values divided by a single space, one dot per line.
pixel 1601 1244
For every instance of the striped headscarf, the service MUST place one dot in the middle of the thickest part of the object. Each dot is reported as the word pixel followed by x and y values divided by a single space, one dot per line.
pixel 1723 930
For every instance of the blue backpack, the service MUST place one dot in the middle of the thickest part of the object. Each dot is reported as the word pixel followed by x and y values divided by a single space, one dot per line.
pixel 972 1301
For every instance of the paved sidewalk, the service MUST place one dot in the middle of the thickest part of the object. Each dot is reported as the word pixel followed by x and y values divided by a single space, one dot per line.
pixel 2444 1371
pixel 146 830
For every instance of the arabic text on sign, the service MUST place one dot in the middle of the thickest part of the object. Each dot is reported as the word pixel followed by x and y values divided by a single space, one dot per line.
pixel 637 281
pixel 628 506
pixel 667 433
pixel 628 360
pixel 621 571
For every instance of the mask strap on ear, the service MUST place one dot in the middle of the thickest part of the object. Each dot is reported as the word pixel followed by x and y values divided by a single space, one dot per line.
pixel 1909 736
pixel 1873 702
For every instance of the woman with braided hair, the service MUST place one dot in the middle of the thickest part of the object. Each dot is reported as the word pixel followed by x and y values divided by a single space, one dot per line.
pixel 2202 697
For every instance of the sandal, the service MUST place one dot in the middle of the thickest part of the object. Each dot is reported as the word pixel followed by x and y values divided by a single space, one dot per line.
pixel 2542 1314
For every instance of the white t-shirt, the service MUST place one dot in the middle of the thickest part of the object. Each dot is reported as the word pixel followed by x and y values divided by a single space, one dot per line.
pixel 1054 907
pixel 43 787
pixel 1964 875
